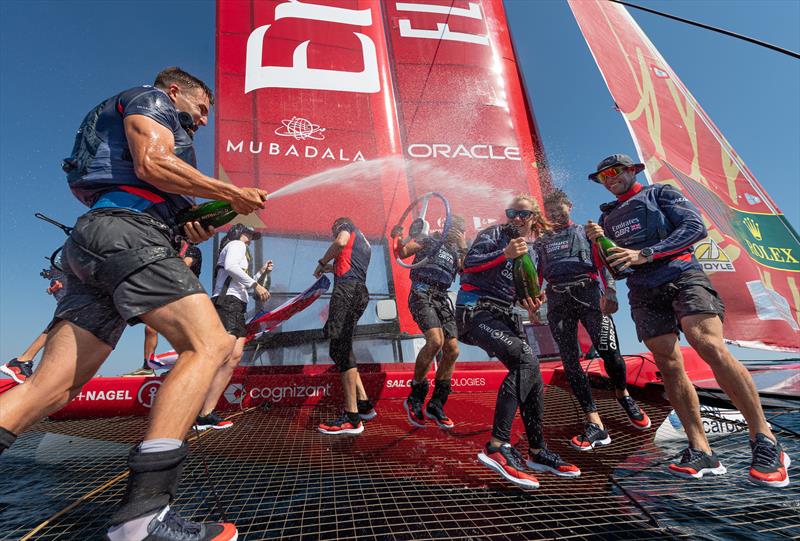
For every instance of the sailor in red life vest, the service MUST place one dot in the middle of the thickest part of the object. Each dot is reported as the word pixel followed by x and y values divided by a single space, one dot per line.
pixel 133 164
pixel 431 307
pixel 348 259
pixel 485 318
pixel 655 228
pixel 569 264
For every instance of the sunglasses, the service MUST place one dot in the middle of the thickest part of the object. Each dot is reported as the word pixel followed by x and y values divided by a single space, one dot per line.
pixel 523 214
pixel 611 172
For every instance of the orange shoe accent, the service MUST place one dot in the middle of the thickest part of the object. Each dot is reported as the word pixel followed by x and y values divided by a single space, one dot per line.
pixel 228 533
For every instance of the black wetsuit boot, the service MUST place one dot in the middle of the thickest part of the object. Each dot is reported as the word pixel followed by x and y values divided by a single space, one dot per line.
pixel 435 408
pixel 413 404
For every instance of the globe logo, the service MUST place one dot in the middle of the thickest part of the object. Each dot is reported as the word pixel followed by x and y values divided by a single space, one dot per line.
pixel 301 129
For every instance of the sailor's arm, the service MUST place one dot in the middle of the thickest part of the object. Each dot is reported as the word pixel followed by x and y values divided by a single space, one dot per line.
pixel 152 147
pixel 333 251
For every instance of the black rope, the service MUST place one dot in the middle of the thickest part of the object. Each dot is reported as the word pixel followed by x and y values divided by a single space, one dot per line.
pixel 712 28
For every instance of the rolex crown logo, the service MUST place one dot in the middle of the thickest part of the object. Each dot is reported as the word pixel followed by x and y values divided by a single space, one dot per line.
pixel 753 228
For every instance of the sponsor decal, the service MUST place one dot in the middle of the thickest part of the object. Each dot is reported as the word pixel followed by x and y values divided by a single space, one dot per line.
pixel 234 394
pixel 628 226
pixel 711 257
pixel 276 394
pixel 496 334
pixel 769 239
pixel 473 152
pixel 301 129
pixel 105 395
pixel 147 393
pixel 608 336
pixel 308 152
pixel 454 382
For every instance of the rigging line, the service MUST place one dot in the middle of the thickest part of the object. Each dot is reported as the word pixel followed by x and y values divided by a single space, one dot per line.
pixel 712 28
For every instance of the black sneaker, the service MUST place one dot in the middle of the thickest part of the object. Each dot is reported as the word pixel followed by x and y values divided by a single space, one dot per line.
pixel 413 404
pixel 19 371
pixel 212 420
pixel 547 461
pixel 169 526
pixel 342 425
pixel 770 466
pixel 366 410
pixel 435 412
pixel 636 415
pixel 695 464
pixel 593 436
pixel 508 462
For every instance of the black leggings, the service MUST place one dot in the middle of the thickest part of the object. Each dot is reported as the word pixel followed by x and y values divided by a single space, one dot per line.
pixel 564 310
pixel 348 302
pixel 499 335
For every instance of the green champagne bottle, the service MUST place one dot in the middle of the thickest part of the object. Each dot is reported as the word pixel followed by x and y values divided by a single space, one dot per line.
pixel 604 244
pixel 210 213
pixel 526 279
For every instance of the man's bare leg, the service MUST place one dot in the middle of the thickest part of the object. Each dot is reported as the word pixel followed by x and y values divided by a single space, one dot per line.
pixel 192 326
pixel 71 357
pixel 680 391
pixel 350 385
pixel 150 343
pixel 222 377
pixel 434 340
pixel 36 346
pixel 704 334
pixel 447 365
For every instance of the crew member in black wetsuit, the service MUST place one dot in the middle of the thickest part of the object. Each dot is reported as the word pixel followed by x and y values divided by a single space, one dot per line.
pixel 133 163
pixel 655 228
pixel 567 262
pixel 348 259
pixel 21 368
pixel 484 315
pixel 431 308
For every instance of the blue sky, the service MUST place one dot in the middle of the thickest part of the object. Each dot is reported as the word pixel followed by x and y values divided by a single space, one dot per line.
pixel 58 59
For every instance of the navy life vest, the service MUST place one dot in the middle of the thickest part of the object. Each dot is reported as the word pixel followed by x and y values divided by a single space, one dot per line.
pixel 565 255
pixel 441 267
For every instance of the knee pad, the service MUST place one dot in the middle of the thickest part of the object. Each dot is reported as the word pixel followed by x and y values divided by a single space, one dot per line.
pixel 7 439
pixel 152 482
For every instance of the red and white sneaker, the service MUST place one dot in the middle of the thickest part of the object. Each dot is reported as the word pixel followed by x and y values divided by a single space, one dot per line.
pixel 548 461
pixel 342 425
pixel 508 462
pixel 636 415
pixel 770 465
pixel 19 371
pixel 435 412
pixel 213 421
pixel 695 464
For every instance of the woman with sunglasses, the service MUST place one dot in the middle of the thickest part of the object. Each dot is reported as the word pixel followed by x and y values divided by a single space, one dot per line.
pixel 485 318
pixel 571 268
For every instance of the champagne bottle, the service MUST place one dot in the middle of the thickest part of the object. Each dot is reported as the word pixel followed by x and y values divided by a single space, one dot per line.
pixel 210 213
pixel 604 244
pixel 526 279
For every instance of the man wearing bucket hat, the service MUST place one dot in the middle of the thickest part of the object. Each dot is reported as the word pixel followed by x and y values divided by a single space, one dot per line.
pixel 654 228
pixel 232 285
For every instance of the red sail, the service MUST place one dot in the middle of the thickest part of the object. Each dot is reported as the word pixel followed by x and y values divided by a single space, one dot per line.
pixel 752 253
pixel 429 89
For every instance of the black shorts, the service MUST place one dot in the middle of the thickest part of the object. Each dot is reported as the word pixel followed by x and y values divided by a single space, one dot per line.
pixel 348 302
pixel 657 311
pixel 100 298
pixel 431 309
pixel 231 312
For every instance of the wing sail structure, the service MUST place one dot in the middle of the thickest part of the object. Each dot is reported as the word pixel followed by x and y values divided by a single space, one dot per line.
pixel 752 253
pixel 356 108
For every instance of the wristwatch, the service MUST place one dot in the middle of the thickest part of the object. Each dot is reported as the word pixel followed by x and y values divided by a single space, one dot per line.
pixel 647 253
